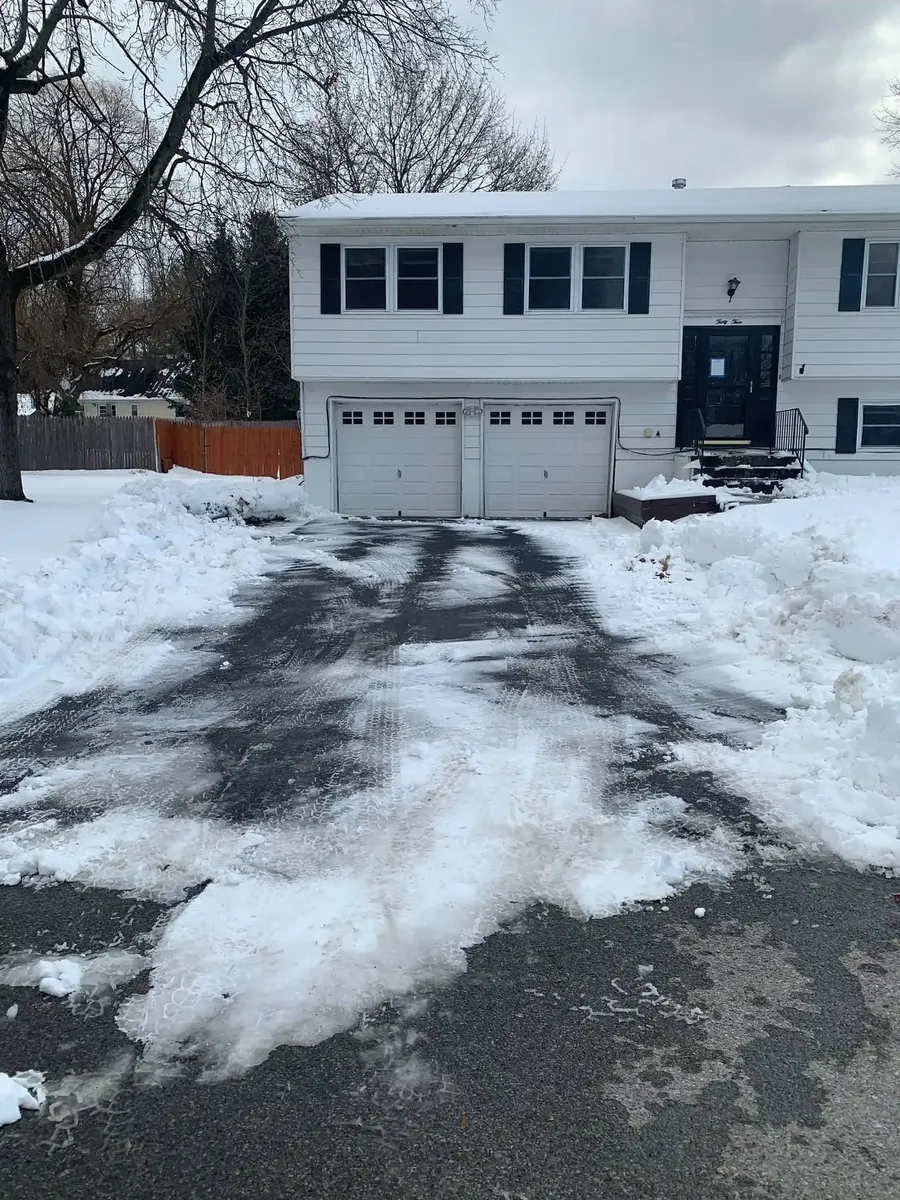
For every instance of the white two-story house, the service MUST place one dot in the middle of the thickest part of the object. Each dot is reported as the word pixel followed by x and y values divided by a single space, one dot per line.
pixel 523 354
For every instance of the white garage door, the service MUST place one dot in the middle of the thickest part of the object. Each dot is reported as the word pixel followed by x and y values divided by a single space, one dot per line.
pixel 399 459
pixel 549 460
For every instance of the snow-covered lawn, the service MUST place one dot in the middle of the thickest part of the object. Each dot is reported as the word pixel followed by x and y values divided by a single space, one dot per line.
pixel 67 505
pixel 797 602
pixel 101 556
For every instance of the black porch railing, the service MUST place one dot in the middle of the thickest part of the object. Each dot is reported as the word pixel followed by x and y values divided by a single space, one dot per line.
pixel 790 434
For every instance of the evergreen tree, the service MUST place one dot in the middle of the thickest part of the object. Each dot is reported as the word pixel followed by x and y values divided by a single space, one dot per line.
pixel 268 333
pixel 235 339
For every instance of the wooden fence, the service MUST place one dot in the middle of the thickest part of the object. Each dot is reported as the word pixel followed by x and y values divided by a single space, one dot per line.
pixel 94 444
pixel 232 448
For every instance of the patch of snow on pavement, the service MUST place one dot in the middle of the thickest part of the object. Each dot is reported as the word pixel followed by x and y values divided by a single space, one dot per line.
pixel 23 1091
pixel 489 801
pixel 159 550
pixel 473 573
pixel 797 602
pixel 68 975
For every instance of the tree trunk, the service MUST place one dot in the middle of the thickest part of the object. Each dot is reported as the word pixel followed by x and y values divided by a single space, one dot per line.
pixel 10 470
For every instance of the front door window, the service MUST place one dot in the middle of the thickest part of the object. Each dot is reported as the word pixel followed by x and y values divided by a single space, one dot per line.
pixel 727 385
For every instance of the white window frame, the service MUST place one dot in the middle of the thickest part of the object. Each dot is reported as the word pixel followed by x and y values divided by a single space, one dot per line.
pixel 864 306
pixel 397 246
pixel 626 246
pixel 573 271
pixel 577 279
pixel 390 268
pixel 864 404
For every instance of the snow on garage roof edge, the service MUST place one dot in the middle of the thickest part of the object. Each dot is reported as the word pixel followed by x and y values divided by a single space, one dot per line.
pixel 665 203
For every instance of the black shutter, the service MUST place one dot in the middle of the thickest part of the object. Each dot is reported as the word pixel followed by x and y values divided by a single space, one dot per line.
pixel 639 278
pixel 330 277
pixel 514 278
pixel 852 255
pixel 847 426
pixel 453 277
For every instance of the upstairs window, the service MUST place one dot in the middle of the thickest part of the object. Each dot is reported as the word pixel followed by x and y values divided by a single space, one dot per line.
pixel 365 278
pixel 550 278
pixel 418 275
pixel 603 277
pixel 881 275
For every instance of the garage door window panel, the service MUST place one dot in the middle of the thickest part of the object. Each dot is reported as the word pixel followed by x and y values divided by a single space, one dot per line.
pixel 532 417
pixel 550 278
pixel 380 417
pixel 418 279
pixel 500 417
pixel 445 418
pixel 352 418
pixel 414 418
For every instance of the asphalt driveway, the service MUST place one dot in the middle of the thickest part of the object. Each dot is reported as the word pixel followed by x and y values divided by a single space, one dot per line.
pixel 750 1053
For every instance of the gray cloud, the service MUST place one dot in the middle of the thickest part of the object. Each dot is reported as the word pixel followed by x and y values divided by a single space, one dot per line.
pixel 634 92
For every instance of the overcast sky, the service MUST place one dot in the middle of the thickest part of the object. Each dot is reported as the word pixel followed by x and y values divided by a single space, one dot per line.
pixel 723 92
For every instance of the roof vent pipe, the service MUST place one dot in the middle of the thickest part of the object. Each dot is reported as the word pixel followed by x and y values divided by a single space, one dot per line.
pixel 679 183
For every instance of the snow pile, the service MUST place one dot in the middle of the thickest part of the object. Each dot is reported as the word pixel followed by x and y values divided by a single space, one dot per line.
pixel 661 488
pixel 24 1091
pixel 161 552
pixel 798 602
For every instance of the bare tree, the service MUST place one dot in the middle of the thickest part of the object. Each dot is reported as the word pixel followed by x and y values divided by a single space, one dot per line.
pixel 244 65
pixel 71 156
pixel 434 128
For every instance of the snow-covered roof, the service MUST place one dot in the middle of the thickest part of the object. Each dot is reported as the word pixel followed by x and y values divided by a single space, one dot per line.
pixel 769 203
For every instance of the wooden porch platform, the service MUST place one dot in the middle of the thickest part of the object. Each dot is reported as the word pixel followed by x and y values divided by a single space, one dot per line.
pixel 666 508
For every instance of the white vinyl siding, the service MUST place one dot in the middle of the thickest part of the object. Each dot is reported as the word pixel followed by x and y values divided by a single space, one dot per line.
pixel 483 343
pixel 817 400
pixel 761 266
pixel 840 345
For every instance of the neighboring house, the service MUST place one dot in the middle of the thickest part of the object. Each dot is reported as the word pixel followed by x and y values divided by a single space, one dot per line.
pixel 518 355
pixel 103 404
pixel 129 389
